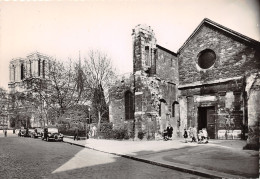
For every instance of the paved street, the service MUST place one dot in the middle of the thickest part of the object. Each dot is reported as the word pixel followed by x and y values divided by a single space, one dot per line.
pixel 34 158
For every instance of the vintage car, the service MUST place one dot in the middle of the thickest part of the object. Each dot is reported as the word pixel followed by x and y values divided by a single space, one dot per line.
pixel 21 132
pixel 28 132
pixel 52 134
pixel 37 132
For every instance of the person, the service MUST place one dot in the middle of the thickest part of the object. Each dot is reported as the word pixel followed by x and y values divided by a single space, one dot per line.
pixel 205 135
pixel 45 134
pixel 5 132
pixel 27 132
pixel 165 135
pixel 185 135
pixel 194 134
pixel 19 133
pixel 76 133
pixel 87 131
pixel 94 131
pixel 169 130
pixel 13 130
pixel 200 136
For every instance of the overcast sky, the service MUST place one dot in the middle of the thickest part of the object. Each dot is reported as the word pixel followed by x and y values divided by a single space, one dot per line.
pixel 62 29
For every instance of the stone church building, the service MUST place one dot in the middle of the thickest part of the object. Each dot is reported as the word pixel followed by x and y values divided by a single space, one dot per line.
pixel 211 82
pixel 34 65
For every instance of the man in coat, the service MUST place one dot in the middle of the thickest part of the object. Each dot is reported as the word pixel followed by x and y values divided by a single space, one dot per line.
pixel 169 130
pixel 76 133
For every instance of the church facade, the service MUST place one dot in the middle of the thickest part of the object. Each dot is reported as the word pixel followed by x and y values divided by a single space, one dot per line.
pixel 34 66
pixel 212 82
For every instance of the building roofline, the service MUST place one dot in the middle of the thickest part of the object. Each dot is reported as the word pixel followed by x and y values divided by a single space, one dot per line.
pixel 38 54
pixel 165 49
pixel 222 28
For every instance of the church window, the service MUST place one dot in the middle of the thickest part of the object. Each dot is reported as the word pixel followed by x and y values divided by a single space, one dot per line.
pixel 206 58
pixel 22 71
pixel 173 108
pixel 30 62
pixel 43 69
pixel 39 67
pixel 147 57
pixel 129 108
pixel 13 73
pixel 162 107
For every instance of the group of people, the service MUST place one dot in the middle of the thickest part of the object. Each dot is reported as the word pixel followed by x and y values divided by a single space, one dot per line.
pixel 200 137
pixel 89 132
pixel 167 133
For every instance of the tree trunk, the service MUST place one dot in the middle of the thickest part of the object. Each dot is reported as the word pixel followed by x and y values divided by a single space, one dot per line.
pixel 99 121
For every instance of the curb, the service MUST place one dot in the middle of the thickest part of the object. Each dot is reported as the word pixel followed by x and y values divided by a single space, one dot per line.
pixel 178 168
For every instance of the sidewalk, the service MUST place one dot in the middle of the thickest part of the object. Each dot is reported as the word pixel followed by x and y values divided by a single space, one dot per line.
pixel 217 159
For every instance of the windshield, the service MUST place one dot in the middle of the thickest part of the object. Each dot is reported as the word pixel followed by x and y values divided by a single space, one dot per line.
pixel 53 130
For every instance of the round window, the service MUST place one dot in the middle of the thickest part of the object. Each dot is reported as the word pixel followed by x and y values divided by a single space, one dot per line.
pixel 206 58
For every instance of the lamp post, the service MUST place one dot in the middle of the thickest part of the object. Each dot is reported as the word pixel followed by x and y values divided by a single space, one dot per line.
pixel 88 114
pixel 88 121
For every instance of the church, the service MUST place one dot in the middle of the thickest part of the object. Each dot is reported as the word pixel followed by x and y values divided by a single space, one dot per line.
pixel 35 65
pixel 211 82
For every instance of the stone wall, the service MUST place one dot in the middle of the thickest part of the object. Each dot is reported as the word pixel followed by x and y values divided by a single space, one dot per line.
pixel 253 102
pixel 117 101
pixel 221 86
pixel 233 58
pixel 167 65
pixel 156 75
pixel 226 98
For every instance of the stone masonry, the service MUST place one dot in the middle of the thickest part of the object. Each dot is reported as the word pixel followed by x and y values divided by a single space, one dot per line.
pixel 211 82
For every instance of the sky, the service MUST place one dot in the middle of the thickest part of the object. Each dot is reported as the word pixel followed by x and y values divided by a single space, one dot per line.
pixel 62 29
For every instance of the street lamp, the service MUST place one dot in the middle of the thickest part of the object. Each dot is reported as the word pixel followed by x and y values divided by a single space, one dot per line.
pixel 88 114
pixel 88 121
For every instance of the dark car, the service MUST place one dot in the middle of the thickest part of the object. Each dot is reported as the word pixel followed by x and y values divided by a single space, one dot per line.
pixel 37 132
pixel 52 134
pixel 21 132
pixel 28 132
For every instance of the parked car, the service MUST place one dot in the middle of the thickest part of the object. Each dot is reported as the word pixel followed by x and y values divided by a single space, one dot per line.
pixel 28 132
pixel 52 134
pixel 21 132
pixel 37 132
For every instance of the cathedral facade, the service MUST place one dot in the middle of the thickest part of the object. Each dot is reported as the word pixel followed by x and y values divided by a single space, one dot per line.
pixel 36 65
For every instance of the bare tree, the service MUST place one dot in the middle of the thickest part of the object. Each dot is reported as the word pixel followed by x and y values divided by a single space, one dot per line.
pixel 20 108
pixel 57 92
pixel 99 74
pixel 3 106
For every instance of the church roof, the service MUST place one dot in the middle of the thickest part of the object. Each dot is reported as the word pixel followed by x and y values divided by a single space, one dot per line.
pixel 165 49
pixel 225 30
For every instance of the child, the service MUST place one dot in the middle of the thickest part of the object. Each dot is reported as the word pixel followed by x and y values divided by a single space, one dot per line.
pixel 185 135
pixel 200 136
pixel 205 134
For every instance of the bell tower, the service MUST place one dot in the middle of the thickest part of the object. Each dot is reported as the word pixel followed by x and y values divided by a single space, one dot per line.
pixel 144 49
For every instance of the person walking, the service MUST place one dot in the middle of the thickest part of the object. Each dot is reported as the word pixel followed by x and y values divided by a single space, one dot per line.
pixel 5 132
pixel 169 131
pixel 194 134
pixel 185 135
pixel 76 133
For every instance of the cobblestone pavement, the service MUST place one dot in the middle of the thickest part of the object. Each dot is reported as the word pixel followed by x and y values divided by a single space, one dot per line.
pixel 34 158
